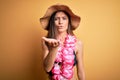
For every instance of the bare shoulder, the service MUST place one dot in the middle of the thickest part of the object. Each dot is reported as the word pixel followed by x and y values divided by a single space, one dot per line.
pixel 79 46
pixel 79 42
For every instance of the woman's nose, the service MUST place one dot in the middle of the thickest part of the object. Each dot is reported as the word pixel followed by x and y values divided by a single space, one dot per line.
pixel 60 21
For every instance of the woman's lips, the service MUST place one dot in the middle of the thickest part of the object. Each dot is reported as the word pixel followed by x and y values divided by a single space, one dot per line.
pixel 60 27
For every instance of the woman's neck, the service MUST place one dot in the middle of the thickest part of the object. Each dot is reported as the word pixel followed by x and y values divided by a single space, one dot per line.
pixel 61 36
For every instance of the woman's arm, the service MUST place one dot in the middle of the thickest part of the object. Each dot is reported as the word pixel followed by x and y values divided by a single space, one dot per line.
pixel 79 56
pixel 49 54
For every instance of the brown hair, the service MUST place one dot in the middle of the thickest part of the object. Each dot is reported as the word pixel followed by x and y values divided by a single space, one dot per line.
pixel 51 26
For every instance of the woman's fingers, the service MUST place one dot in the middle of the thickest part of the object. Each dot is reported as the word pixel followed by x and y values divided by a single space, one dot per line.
pixel 51 42
pixel 55 43
pixel 45 39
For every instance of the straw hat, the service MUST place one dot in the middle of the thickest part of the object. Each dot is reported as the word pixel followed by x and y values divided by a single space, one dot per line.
pixel 75 20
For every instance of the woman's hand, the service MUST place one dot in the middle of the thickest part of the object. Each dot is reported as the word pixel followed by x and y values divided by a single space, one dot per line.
pixel 51 42
pixel 49 51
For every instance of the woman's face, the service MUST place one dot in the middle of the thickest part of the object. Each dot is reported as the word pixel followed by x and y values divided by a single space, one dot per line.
pixel 61 21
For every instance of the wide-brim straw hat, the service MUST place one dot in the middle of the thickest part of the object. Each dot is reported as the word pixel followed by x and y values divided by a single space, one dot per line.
pixel 75 20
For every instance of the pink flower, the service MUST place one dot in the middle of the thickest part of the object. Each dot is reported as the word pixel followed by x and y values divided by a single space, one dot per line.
pixel 67 73
pixel 65 56
pixel 56 69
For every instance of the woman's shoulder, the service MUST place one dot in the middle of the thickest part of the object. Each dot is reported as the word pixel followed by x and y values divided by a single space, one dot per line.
pixel 79 45
pixel 79 42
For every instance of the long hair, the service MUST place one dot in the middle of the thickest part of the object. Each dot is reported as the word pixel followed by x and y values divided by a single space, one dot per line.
pixel 51 26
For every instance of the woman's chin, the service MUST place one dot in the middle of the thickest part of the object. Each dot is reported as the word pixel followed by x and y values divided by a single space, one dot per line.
pixel 61 31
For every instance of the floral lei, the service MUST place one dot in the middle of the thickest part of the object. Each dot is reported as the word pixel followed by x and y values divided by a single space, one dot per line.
pixel 64 62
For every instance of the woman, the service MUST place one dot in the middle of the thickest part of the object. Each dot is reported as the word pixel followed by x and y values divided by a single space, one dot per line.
pixel 62 50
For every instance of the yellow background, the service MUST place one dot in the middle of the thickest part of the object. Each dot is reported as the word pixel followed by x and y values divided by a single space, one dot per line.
pixel 21 32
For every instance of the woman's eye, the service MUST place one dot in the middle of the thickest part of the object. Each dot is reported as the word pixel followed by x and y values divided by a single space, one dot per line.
pixel 64 18
pixel 56 19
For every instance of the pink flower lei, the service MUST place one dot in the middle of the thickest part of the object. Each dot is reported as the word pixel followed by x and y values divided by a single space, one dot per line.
pixel 64 62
